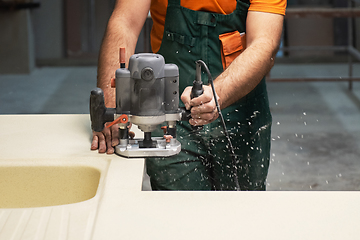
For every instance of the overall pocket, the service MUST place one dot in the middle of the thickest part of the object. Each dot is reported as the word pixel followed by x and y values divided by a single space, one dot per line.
pixel 232 45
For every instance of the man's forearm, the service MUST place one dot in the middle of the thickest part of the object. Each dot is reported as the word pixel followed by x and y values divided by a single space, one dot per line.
pixel 123 29
pixel 108 60
pixel 247 70
pixel 243 75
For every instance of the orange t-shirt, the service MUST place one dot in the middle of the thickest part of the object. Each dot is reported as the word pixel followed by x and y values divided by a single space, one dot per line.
pixel 158 12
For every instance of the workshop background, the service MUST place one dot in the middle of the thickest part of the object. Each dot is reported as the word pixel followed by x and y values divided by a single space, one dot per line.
pixel 48 57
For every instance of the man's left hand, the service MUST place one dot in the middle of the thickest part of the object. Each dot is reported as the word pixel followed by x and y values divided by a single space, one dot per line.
pixel 203 108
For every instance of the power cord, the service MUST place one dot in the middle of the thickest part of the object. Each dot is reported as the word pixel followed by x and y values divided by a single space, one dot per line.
pixel 232 152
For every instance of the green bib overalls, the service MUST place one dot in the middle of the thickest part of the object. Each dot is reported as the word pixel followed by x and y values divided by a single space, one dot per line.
pixel 204 162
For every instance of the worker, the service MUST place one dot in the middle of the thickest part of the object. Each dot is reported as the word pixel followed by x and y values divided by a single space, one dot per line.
pixel 238 40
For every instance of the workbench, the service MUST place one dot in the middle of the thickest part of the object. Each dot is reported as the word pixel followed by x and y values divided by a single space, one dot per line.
pixel 120 210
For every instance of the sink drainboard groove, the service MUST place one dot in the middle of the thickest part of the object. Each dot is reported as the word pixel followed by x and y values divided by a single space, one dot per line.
pixel 47 223
pixel 4 215
pixel 21 225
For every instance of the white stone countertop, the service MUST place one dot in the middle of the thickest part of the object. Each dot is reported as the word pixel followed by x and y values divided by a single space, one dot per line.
pixel 120 210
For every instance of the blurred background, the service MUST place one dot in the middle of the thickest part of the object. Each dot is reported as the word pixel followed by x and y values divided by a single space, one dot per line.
pixel 48 58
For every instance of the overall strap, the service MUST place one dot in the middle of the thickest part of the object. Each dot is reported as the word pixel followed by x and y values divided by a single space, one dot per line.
pixel 177 2
pixel 174 2
pixel 240 4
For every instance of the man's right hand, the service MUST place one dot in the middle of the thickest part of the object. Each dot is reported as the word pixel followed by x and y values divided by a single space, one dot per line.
pixel 106 140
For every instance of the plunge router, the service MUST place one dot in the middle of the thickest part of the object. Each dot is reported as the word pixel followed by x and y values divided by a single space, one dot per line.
pixel 147 95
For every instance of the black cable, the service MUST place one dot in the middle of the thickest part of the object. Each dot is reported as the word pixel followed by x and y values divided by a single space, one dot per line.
pixel 232 152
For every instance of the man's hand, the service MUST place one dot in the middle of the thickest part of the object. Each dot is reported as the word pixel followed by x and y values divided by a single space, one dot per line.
pixel 203 108
pixel 106 140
